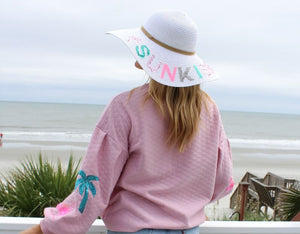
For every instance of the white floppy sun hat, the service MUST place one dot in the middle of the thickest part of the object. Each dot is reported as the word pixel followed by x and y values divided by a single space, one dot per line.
pixel 165 47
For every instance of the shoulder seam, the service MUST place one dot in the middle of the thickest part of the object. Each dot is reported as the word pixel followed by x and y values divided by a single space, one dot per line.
pixel 116 142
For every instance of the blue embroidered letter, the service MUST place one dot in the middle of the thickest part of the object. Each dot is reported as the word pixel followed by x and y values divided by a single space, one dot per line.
pixel 198 72
pixel 144 50
pixel 85 185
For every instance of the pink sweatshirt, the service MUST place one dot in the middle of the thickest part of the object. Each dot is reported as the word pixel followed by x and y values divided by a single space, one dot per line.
pixel 131 179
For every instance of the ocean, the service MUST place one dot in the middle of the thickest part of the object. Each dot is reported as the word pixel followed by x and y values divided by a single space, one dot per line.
pixel 23 123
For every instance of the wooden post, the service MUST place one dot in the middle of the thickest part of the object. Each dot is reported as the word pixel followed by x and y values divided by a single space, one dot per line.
pixel 244 191
pixel 297 217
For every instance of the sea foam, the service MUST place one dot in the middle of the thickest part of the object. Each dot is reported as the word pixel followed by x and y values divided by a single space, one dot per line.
pixel 284 144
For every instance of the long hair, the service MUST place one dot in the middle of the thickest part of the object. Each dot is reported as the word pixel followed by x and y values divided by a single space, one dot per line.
pixel 181 106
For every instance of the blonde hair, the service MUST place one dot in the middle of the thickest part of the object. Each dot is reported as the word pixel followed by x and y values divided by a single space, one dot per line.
pixel 181 106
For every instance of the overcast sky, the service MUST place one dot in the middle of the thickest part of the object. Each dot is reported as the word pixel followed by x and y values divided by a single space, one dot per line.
pixel 57 50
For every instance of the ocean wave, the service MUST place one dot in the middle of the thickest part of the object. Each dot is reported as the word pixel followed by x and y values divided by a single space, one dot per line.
pixel 9 145
pixel 285 144
pixel 24 136
pixel 47 136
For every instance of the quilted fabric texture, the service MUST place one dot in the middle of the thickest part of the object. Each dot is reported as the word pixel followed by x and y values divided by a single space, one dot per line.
pixel 142 182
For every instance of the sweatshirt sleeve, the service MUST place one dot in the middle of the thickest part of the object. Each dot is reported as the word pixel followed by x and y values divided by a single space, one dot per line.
pixel 100 171
pixel 224 180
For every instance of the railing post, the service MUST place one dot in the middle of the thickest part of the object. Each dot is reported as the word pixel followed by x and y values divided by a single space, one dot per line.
pixel 297 217
pixel 243 186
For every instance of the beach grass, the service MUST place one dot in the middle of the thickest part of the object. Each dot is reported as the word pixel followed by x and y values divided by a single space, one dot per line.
pixel 219 213
pixel 249 216
pixel 27 189
pixel 289 204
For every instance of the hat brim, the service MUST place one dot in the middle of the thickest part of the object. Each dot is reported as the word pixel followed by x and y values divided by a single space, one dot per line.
pixel 163 65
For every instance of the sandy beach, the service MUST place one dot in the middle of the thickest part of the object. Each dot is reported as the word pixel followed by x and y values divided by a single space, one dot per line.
pixel 12 156
pixel 285 163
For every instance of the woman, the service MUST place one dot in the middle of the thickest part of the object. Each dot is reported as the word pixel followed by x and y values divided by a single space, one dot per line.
pixel 159 153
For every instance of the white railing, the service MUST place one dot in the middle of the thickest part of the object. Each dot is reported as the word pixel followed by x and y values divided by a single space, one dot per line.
pixel 12 225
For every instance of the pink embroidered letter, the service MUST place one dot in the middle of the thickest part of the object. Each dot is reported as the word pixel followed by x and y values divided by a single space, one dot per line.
pixel 171 75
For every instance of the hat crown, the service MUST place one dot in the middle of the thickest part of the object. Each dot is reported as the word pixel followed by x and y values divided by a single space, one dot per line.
pixel 173 28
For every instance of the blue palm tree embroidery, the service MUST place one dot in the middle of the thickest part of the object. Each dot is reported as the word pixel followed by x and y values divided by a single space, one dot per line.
pixel 85 185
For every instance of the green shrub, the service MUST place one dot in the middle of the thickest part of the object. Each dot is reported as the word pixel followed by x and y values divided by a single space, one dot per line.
pixel 289 204
pixel 26 190
pixel 249 216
